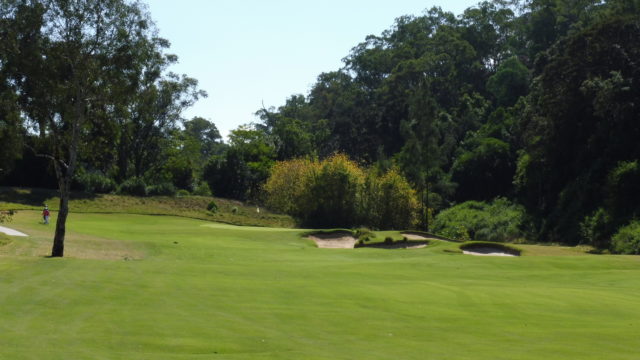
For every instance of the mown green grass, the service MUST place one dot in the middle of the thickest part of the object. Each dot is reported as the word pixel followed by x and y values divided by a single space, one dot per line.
pixel 179 288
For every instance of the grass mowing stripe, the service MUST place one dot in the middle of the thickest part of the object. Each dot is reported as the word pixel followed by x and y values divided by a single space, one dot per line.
pixel 237 293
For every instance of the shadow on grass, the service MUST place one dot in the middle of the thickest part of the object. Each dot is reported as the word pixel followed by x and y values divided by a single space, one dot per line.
pixel 35 197
pixel 414 244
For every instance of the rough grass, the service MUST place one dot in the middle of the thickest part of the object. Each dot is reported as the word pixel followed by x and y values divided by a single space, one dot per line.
pixel 189 206
pixel 4 239
pixel 203 290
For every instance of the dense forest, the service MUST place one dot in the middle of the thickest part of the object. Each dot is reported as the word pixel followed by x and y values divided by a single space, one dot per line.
pixel 515 119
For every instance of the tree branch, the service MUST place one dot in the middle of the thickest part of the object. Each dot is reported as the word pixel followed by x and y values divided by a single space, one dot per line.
pixel 47 156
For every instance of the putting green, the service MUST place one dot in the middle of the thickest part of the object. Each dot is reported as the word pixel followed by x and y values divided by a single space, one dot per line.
pixel 171 288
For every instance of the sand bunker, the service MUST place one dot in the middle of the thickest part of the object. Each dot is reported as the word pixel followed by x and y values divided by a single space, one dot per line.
pixel 487 251
pixel 338 240
pixel 11 232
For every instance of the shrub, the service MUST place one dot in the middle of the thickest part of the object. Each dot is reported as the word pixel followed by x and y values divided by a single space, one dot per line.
pixel 623 190
pixel 182 193
pixel 162 189
pixel 593 229
pixel 212 206
pixel 497 221
pixel 96 182
pixel 6 216
pixel 388 202
pixel 364 233
pixel 133 186
pixel 332 195
pixel 286 186
pixel 335 192
pixel 627 239
pixel 234 210
pixel 388 240
pixel 202 189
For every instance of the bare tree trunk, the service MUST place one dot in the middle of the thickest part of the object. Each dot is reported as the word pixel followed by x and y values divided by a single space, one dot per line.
pixel 65 175
pixel 58 239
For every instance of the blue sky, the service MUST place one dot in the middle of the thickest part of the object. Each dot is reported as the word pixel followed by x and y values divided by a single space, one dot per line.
pixel 246 52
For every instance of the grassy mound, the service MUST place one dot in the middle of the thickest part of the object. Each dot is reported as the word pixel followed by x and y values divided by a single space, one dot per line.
pixel 428 235
pixel 228 211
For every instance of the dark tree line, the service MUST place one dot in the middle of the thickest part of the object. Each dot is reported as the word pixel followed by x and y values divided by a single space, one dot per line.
pixel 534 101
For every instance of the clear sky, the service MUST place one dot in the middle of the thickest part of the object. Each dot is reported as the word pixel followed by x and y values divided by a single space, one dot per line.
pixel 248 52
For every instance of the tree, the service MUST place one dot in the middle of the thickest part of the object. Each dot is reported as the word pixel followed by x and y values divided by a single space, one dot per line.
pixel 206 134
pixel 73 63
pixel 580 123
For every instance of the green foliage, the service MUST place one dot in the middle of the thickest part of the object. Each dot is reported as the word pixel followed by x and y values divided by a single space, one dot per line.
pixel 579 126
pixel 388 201
pixel 202 189
pixel 333 193
pixel 484 172
pixel 212 206
pixel 96 182
pixel 287 184
pixel 499 220
pixel 338 192
pixel 623 190
pixel 595 229
pixel 162 189
pixel 183 193
pixel 510 81
pixel 241 172
pixel 134 186
pixel 627 239
pixel 6 216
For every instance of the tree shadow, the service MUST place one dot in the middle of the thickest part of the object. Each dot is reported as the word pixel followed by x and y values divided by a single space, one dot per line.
pixel 36 196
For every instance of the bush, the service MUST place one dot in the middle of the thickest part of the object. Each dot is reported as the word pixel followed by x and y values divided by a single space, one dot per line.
pixel 388 201
pixel 234 210
pixel 287 185
pixel 134 186
pixel 593 229
pixel 162 189
pixel 336 192
pixel 202 189
pixel 182 193
pixel 627 239
pixel 473 220
pixel 96 182
pixel 388 240
pixel 623 190
pixel 212 206
pixel 6 216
